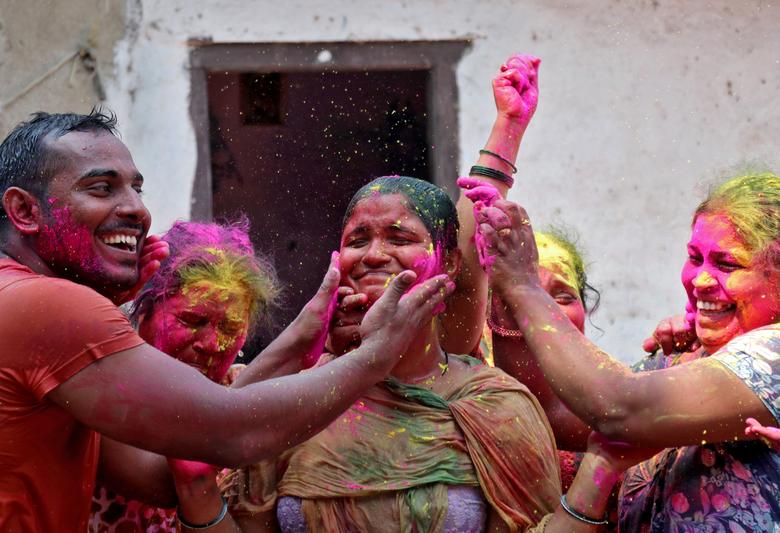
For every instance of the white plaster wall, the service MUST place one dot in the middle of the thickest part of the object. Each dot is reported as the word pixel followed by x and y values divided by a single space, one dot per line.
pixel 640 101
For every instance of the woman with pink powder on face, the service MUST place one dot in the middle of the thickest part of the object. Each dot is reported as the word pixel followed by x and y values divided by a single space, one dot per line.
pixel 198 308
pixel 446 443
pixel 709 477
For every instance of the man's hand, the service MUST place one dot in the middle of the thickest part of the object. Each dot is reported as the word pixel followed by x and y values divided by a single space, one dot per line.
pixel 397 317
pixel 516 90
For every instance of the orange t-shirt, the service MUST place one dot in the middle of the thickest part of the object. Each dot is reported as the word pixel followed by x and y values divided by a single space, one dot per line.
pixel 50 329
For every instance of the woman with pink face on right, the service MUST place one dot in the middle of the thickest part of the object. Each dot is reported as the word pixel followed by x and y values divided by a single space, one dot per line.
pixel 713 475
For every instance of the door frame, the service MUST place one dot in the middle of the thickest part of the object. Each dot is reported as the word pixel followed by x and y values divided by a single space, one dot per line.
pixel 439 58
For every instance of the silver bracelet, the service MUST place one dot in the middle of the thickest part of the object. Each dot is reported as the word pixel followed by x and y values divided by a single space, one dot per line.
pixel 219 518
pixel 581 517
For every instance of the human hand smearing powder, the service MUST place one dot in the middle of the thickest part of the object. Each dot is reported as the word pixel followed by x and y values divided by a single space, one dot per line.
pixel 483 195
pixel 511 248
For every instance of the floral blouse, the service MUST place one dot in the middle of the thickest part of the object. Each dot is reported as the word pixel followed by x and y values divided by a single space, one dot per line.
pixel 725 487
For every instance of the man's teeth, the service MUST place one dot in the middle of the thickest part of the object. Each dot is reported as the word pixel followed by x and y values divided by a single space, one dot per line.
pixel 711 306
pixel 129 240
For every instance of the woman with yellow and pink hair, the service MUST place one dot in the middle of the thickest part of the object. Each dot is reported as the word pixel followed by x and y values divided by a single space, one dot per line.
pixel 712 474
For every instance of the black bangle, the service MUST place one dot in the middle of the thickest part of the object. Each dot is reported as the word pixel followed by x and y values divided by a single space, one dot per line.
pixel 581 517
pixel 219 518
pixel 501 158
pixel 492 173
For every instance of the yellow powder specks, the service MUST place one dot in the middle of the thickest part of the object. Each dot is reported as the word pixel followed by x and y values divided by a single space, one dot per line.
pixel 549 328
pixel 395 432
pixel 389 280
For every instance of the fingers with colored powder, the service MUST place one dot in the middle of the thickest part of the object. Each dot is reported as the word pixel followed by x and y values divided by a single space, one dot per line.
pixel 516 89
pixel 155 250
pixel 673 334
pixel 483 195
pixel 323 306
pixel 403 309
pixel 770 435
pixel 479 191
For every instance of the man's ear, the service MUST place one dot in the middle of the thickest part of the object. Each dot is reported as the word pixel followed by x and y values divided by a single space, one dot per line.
pixel 452 263
pixel 23 210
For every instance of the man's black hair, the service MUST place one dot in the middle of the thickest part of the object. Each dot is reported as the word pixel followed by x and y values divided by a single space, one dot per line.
pixel 26 158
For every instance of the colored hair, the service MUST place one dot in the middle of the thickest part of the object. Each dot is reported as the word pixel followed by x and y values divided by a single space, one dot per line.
pixel 27 160
pixel 567 241
pixel 221 254
pixel 752 204
pixel 430 203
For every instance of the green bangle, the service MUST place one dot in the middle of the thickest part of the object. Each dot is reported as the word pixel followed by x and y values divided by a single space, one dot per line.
pixel 501 158
pixel 503 177
pixel 219 518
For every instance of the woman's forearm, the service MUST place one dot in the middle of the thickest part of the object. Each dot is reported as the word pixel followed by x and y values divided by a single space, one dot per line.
pixel 595 387
pixel 200 502
pixel 588 496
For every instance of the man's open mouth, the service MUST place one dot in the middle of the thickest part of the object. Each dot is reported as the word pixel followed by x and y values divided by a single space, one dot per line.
pixel 120 241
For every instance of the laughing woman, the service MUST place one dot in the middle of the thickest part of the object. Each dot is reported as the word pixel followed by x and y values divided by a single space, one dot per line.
pixel 709 477
pixel 198 308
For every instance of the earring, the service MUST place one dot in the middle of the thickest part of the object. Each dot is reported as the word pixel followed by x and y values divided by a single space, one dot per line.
pixel 240 354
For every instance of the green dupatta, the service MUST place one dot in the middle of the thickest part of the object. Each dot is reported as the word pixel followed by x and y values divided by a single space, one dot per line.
pixel 385 464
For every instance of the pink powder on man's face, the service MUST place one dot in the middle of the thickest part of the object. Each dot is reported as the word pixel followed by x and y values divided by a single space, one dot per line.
pixel 64 244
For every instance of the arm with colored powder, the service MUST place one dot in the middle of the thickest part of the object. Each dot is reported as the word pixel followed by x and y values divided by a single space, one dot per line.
pixel 147 399
pixel 653 408
pixel 515 92
pixel 200 501
pixel 303 341
pixel 589 494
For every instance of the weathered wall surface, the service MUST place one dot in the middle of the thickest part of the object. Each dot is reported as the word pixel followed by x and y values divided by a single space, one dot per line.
pixel 55 55
pixel 640 102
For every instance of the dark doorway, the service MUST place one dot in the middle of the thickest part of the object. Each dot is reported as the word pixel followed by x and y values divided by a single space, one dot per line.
pixel 288 132
pixel 290 149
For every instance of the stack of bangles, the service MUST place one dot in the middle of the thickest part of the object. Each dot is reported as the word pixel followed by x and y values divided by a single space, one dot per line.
pixel 219 518
pixel 581 517
pixel 503 177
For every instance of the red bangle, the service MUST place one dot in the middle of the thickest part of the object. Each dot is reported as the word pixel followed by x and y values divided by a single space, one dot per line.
pixel 502 331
